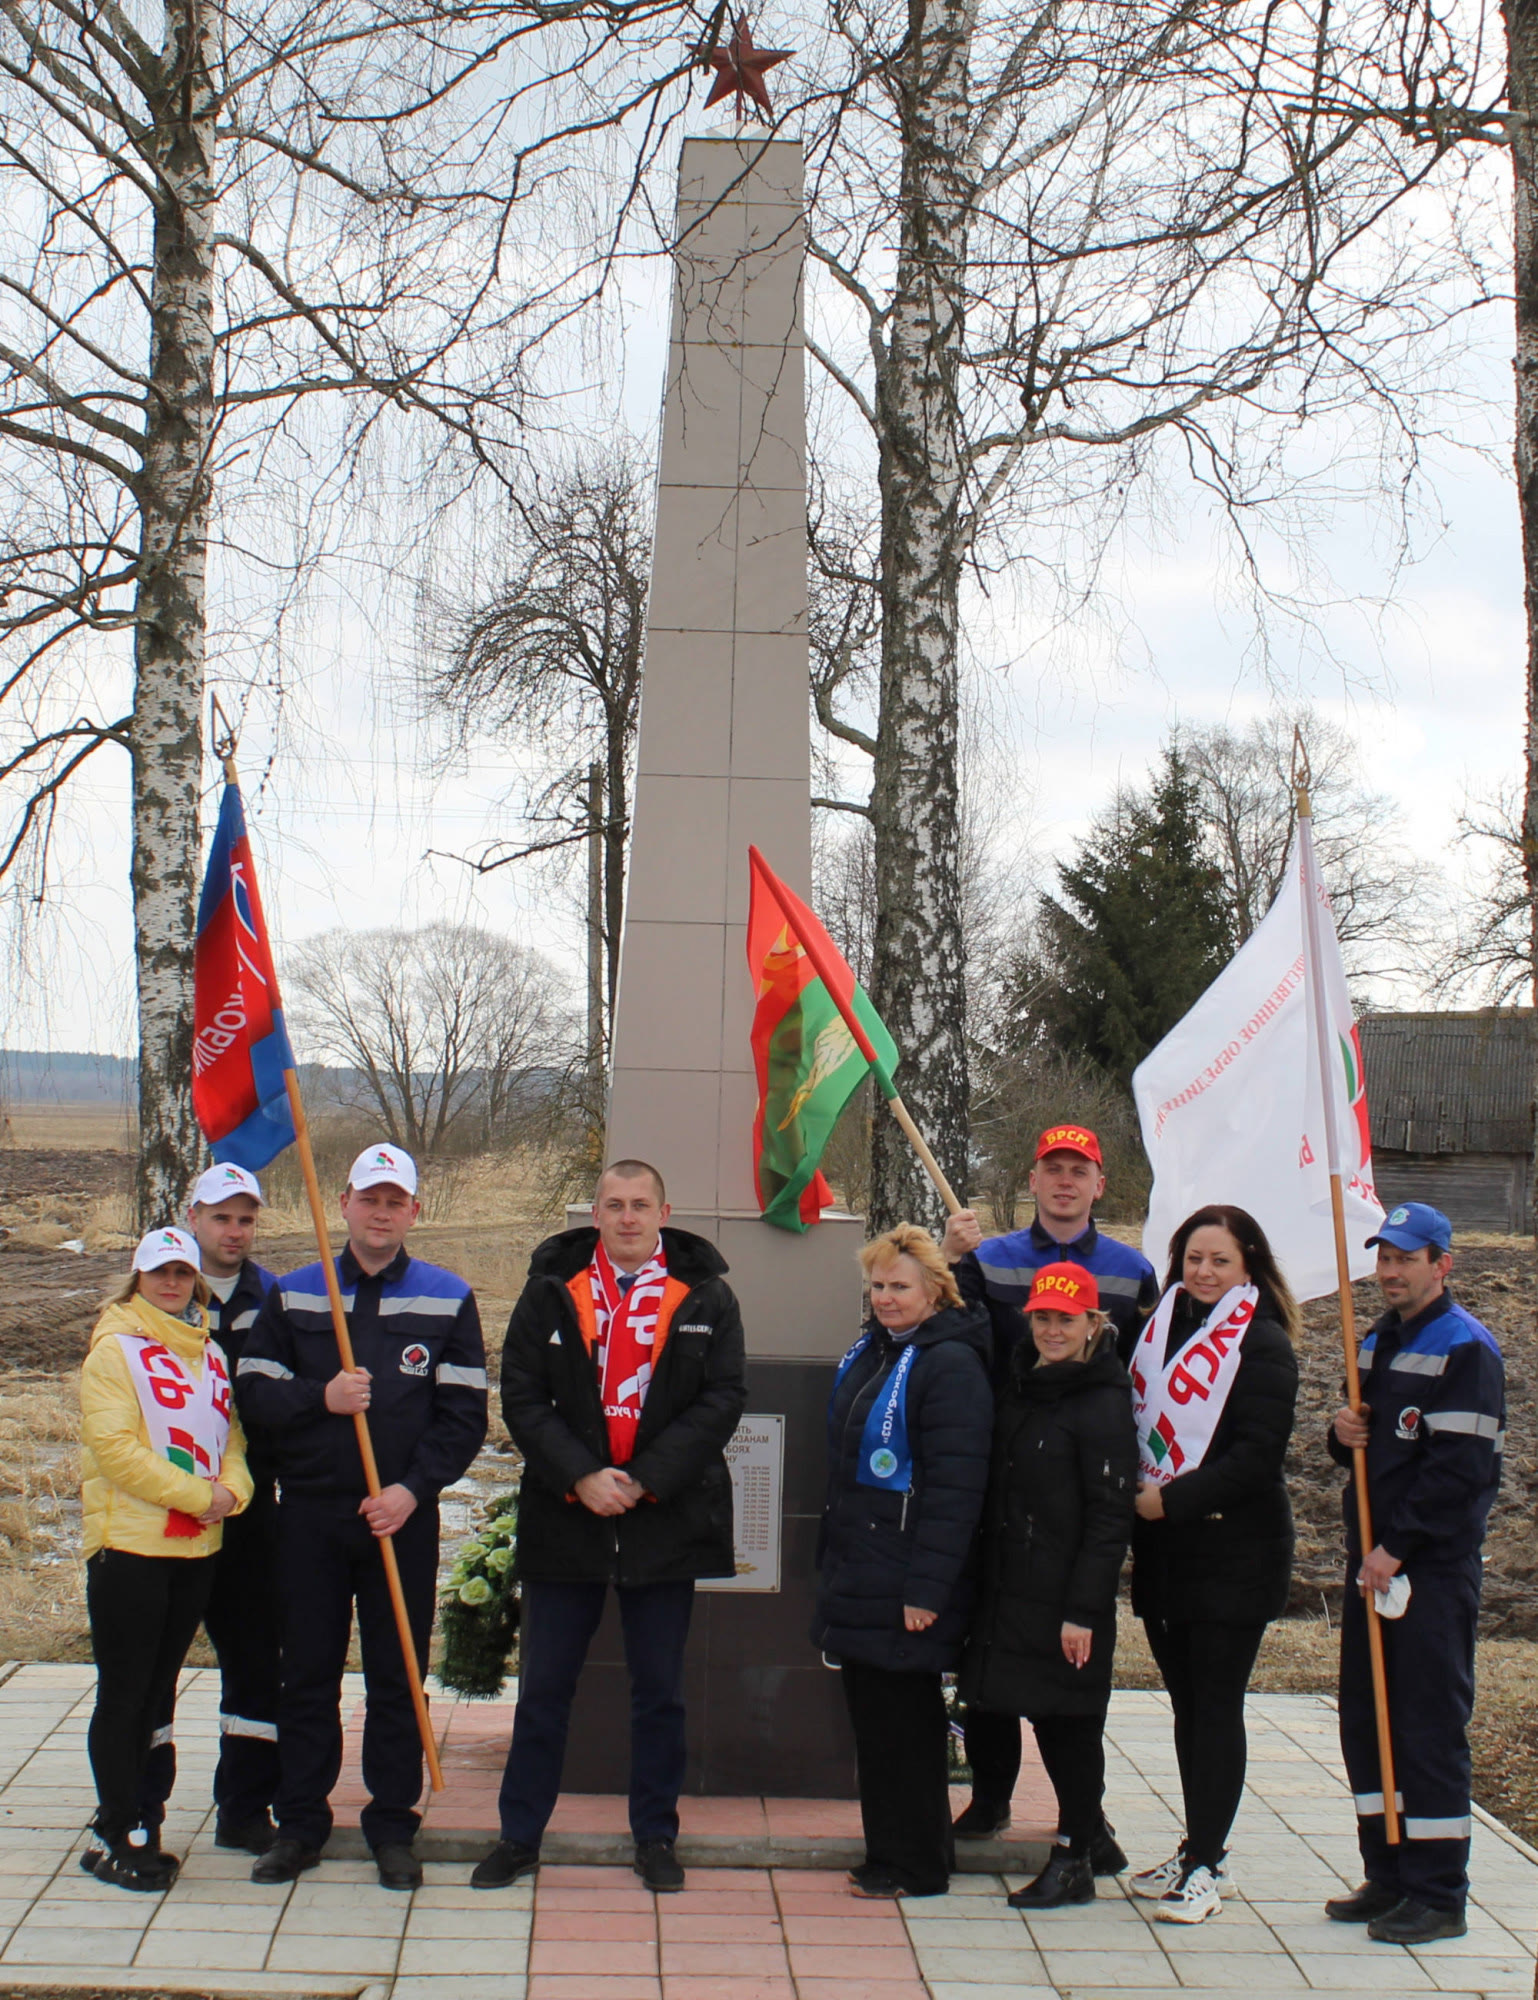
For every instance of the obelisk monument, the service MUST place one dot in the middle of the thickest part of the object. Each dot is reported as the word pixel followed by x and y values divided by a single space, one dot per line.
pixel 724 761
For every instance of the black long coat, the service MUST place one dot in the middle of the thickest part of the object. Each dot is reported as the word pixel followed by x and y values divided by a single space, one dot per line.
pixel 881 1550
pixel 1055 1533
pixel 1223 1552
pixel 552 1406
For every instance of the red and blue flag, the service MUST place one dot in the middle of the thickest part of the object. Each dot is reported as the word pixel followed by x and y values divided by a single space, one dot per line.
pixel 240 1045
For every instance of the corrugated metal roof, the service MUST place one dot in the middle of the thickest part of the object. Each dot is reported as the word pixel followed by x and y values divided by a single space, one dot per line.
pixel 1451 1083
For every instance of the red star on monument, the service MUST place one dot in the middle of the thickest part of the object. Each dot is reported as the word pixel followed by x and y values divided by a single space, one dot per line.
pixel 740 67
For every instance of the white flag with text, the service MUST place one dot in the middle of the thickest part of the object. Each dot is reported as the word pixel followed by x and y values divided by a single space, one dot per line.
pixel 1232 1105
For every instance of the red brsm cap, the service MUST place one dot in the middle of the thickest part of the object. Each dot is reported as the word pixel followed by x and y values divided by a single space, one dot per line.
pixel 1065 1288
pixel 1069 1139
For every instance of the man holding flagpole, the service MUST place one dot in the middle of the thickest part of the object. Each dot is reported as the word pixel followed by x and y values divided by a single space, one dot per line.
pixel 1431 1423
pixel 420 1374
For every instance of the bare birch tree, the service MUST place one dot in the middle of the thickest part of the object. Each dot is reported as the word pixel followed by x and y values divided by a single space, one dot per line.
pixel 551 657
pixel 242 243
pixel 1074 247
pixel 445 1029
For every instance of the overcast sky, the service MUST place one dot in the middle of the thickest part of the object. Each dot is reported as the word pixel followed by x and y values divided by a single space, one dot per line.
pixel 357 798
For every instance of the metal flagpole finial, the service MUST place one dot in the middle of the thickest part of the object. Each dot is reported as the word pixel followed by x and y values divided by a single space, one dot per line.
pixel 225 736
pixel 1302 772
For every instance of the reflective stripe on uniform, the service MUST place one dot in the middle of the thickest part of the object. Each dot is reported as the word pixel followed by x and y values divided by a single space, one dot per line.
pixel 449 1377
pixel 1370 1803
pixel 1464 1423
pixel 242 1320
pixel 242 1725
pixel 258 1364
pixel 161 1737
pixel 1438 1829
pixel 315 1302
pixel 443 1308
pixel 1419 1364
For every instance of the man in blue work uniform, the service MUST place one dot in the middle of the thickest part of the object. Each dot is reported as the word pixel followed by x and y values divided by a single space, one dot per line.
pixel 242 1615
pixel 420 1376
pixel 1432 1424
pixel 1066 1182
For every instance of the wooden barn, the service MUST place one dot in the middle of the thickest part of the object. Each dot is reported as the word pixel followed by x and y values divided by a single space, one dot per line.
pixel 1452 1098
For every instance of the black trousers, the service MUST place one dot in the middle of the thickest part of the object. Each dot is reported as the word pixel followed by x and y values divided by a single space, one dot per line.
pixel 143 1612
pixel 555 1630
pixel 900 1740
pixel 992 1744
pixel 1072 1751
pixel 328 1561
pixel 1428 1658
pixel 243 1622
pixel 1206 1669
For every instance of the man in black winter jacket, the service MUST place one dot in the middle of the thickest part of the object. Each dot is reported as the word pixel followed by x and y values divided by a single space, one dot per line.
pixel 420 1375
pixel 623 1377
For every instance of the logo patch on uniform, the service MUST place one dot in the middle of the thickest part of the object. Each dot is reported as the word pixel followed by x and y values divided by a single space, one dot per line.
pixel 883 1462
pixel 1399 1215
pixel 695 1329
pixel 415 1359
pixel 1409 1424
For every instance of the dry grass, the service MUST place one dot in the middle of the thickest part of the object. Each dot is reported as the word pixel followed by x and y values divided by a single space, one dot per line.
pixel 42 1583
pixel 92 1128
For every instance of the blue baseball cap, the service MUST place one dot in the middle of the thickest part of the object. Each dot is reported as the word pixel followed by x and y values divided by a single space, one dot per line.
pixel 1415 1225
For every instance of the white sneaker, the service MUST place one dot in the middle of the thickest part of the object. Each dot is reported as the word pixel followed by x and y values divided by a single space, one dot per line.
pixel 1152 1883
pixel 1193 1899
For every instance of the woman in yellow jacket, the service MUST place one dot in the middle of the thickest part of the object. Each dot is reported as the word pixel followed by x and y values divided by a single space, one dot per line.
pixel 162 1463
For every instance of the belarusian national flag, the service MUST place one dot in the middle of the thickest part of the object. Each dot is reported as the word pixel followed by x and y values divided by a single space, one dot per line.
pixel 815 1034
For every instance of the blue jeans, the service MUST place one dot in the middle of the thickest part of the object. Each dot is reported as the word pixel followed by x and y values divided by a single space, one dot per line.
pixel 557 1625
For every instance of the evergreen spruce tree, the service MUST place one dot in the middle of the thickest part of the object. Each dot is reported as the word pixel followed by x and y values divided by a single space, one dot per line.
pixel 1141 928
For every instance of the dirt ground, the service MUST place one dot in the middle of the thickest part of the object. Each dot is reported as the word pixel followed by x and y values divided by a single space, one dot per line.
pixel 64 1212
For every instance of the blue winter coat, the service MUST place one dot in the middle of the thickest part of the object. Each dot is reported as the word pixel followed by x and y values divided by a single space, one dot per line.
pixel 881 1550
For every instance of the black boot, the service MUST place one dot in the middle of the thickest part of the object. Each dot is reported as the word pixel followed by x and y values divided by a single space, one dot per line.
pixel 1067 1878
pixel 1362 1905
pixel 980 1820
pixel 1105 1852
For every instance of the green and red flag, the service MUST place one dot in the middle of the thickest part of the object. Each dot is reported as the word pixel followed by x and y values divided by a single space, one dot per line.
pixel 815 1036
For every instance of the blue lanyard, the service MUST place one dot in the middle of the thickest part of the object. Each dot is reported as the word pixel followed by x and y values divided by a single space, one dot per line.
pixel 886 1457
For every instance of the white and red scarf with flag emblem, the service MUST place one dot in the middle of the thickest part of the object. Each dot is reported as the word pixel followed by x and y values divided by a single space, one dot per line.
pixel 187 1416
pixel 627 1328
pixel 1178 1402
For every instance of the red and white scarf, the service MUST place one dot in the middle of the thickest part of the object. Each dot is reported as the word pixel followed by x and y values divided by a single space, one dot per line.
pixel 627 1327
pixel 1178 1403
pixel 187 1416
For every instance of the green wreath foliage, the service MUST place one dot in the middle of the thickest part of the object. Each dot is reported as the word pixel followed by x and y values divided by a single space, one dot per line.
pixel 479 1607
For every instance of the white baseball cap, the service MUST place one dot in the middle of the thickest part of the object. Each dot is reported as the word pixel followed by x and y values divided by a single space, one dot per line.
pixel 383 1166
pixel 166 1246
pixel 220 1182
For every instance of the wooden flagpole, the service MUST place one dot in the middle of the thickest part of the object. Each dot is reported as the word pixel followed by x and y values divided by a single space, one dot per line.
pixel 225 745
pixel 1391 1833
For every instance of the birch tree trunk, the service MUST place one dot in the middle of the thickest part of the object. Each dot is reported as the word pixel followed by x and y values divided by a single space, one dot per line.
pixel 1521 17
pixel 918 978
pixel 171 607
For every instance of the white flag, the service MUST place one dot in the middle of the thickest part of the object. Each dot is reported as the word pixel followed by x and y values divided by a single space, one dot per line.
pixel 1232 1106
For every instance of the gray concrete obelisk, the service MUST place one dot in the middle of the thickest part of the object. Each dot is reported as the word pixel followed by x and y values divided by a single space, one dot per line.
pixel 724 760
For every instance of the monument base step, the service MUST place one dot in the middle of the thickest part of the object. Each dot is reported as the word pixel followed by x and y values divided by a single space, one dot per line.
pixel 1025 1854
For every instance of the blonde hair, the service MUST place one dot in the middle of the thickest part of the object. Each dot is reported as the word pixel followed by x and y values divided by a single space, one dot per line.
pixel 908 1240
pixel 121 1294
pixel 1099 1321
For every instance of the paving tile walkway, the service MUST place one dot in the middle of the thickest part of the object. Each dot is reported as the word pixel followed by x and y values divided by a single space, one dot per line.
pixel 592 1933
